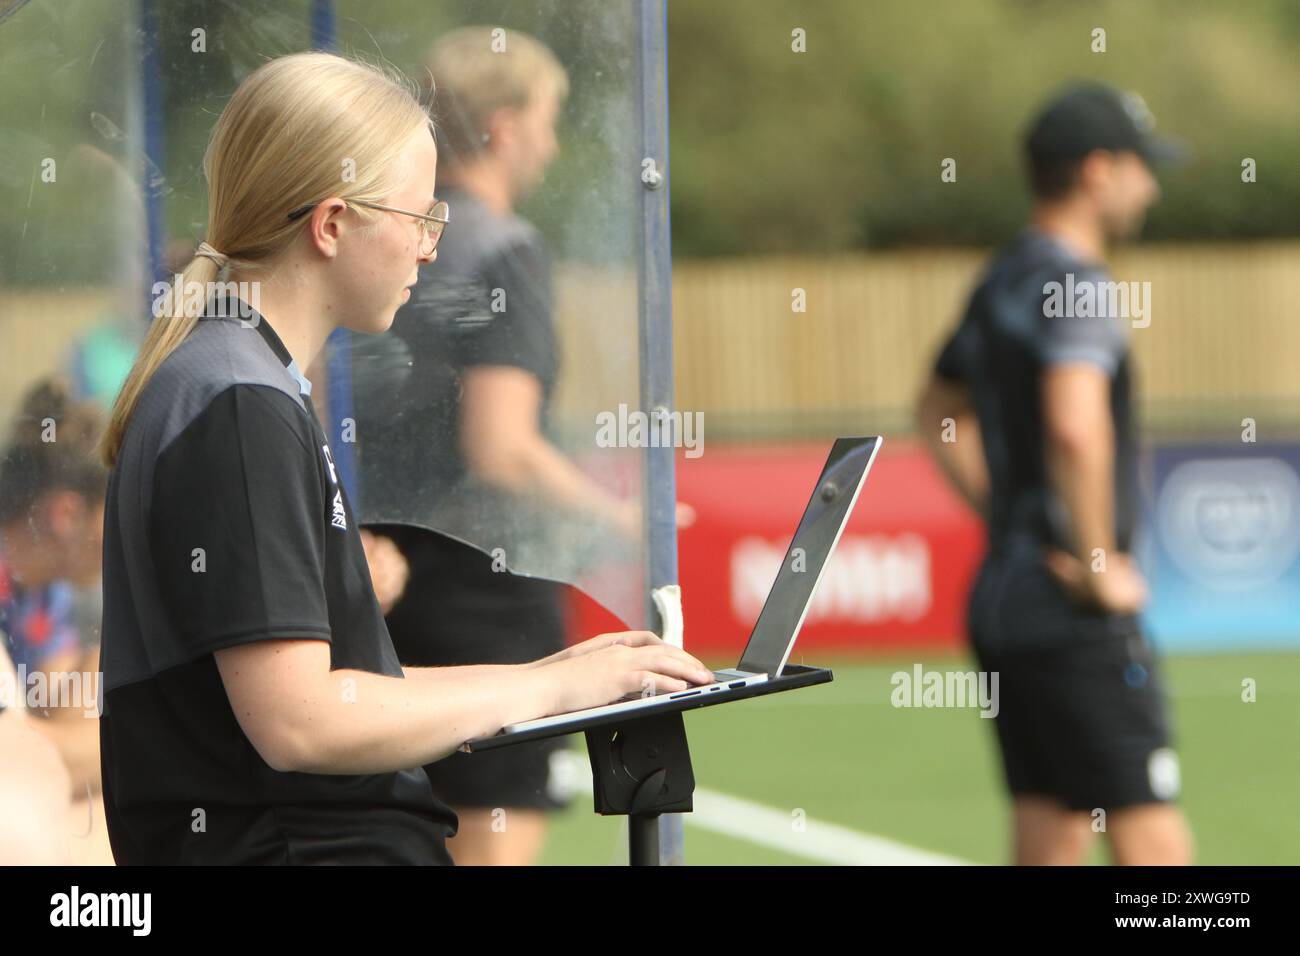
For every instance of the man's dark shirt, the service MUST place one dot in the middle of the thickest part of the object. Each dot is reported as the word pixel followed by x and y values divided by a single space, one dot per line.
pixel 1000 350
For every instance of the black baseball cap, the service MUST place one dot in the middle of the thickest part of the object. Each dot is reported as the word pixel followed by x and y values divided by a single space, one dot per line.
pixel 1089 116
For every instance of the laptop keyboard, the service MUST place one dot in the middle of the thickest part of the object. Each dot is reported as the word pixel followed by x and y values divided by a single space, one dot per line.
pixel 719 678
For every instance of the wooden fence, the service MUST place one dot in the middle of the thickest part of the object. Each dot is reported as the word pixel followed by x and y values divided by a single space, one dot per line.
pixel 1223 343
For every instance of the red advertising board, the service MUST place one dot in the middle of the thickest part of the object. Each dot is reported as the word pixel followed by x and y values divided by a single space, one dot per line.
pixel 898 579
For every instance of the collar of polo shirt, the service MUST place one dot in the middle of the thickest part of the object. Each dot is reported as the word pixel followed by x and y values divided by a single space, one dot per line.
pixel 232 307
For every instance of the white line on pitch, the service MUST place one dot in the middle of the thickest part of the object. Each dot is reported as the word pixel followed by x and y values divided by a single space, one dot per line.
pixel 818 840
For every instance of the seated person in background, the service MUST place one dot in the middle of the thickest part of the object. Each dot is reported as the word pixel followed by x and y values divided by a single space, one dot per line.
pixel 51 532
pixel 34 785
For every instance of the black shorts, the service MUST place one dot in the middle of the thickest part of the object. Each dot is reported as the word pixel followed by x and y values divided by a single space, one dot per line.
pixel 1082 716
pixel 456 610
pixel 521 777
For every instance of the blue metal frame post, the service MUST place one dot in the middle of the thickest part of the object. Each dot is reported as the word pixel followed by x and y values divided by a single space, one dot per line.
pixel 339 367
pixel 155 134
pixel 655 323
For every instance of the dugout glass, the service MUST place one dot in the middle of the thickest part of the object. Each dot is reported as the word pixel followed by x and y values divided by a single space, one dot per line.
pixel 107 109
pixel 404 392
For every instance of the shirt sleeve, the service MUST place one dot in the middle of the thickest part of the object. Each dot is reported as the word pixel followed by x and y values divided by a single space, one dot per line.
pixel 518 331
pixel 1085 330
pixel 237 524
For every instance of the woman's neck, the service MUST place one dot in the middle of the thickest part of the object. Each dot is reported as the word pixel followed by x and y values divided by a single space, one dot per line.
pixel 298 310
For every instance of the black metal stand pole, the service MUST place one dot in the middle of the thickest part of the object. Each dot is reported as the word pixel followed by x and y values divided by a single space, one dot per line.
pixel 642 769
pixel 643 839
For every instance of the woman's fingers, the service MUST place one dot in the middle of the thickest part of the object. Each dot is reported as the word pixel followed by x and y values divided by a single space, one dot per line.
pixel 638 638
pixel 630 662
pixel 649 683
pixel 673 662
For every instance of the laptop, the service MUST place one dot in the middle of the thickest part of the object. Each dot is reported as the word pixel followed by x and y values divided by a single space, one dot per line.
pixel 787 603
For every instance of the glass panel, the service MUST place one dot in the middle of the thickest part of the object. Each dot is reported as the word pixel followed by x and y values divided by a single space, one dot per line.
pixel 73 290
pixel 478 414
pixel 533 305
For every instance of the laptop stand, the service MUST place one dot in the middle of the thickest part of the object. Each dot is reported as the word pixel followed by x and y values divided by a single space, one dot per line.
pixel 639 770
pixel 640 761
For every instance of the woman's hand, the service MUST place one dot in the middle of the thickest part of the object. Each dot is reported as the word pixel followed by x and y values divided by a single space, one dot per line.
pixel 388 569
pixel 630 638
pixel 625 517
pixel 610 672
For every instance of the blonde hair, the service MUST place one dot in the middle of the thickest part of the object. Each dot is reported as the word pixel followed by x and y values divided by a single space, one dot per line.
pixel 477 71
pixel 299 129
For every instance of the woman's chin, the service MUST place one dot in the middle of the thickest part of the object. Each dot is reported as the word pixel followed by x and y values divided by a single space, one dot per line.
pixel 373 324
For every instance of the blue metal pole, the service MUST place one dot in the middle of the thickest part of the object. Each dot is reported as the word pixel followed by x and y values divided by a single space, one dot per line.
pixel 339 365
pixel 155 134
pixel 322 25
pixel 655 322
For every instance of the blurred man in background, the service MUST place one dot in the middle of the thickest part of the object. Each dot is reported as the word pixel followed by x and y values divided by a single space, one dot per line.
pixel 1030 415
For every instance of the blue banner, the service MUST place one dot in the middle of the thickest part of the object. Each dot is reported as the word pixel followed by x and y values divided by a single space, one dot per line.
pixel 1222 547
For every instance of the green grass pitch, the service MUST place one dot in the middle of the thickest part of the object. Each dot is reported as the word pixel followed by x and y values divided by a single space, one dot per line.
pixel 930 778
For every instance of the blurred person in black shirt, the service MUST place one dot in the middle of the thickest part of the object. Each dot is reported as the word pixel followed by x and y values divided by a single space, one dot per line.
pixel 473 416
pixel 1029 413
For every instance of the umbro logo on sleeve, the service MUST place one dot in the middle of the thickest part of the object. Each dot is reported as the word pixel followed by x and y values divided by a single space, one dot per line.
pixel 339 518
pixel 329 460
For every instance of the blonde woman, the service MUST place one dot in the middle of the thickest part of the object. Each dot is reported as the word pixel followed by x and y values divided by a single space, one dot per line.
pixel 254 708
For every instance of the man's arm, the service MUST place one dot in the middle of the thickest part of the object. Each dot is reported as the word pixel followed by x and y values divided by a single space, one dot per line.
pixel 1080 444
pixel 946 421
pixel 1080 450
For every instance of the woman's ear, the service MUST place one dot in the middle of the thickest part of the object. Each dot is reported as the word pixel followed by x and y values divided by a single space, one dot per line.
pixel 326 226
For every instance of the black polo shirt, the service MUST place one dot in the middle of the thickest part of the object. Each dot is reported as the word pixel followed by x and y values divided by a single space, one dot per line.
pixel 1007 338
pixel 225 523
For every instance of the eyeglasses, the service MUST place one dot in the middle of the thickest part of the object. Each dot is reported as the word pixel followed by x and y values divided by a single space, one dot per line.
pixel 435 223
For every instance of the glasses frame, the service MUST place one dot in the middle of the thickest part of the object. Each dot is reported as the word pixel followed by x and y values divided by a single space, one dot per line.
pixel 427 231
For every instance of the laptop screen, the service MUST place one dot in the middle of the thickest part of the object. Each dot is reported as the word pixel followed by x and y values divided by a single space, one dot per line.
pixel 819 531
